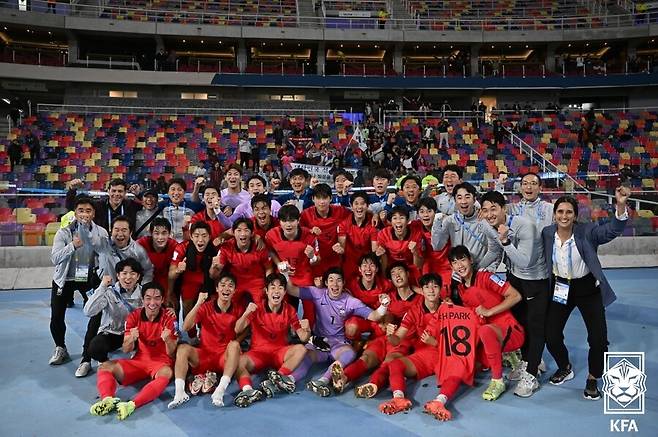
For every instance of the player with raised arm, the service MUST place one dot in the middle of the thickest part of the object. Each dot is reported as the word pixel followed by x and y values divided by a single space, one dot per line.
pixel 270 320
pixel 152 332
pixel 217 352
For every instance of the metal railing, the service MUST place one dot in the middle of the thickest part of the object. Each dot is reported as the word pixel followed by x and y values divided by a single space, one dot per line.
pixel 488 24
pixel 147 110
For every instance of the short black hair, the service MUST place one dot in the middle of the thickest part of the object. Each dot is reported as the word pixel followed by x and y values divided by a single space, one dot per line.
pixel 160 221
pixel 399 209
pixel 211 186
pixel 235 167
pixel 262 197
pixel 459 252
pixel 243 220
pixel 116 182
pixel 370 256
pixel 454 168
pixel 288 213
pixel 343 172
pixel 177 181
pixel 465 186
pixel 133 264
pixel 298 172
pixel 122 218
pixel 332 271
pixel 152 286
pixel 493 197
pixel 429 203
pixel 200 225
pixel 359 194
pixel 382 173
pixel 428 278
pixel 322 191
pixel 259 177
pixel 531 173
pixel 408 178
pixel 84 200
pixel 272 277
pixel 396 264
pixel 226 274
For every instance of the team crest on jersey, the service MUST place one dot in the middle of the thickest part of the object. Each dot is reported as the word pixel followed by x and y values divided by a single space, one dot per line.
pixel 341 311
pixel 497 280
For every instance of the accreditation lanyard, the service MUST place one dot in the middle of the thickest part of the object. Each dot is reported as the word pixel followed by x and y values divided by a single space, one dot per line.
pixel 467 228
pixel 172 208
pixel 122 300
pixel 561 290
pixel 81 269
pixel 539 216
pixel 109 215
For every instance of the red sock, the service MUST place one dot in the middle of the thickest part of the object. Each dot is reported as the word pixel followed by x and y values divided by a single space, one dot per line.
pixel 492 350
pixel 450 387
pixel 396 377
pixel 356 370
pixel 244 380
pixel 284 370
pixel 106 384
pixel 151 391
pixel 380 376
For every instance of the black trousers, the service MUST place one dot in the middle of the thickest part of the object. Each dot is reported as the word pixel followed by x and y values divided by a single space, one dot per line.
pixel 101 345
pixel 93 326
pixel 244 159
pixel 531 314
pixel 585 295
pixel 59 299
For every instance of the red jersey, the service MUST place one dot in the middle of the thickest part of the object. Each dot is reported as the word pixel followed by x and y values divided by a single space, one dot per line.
pixel 369 297
pixel 217 326
pixel 417 320
pixel 328 237
pixel 455 328
pixel 292 251
pixel 398 250
pixel 191 280
pixel 150 346
pixel 399 307
pixel 160 260
pixel 434 261
pixel 269 329
pixel 216 227
pixel 274 222
pixel 358 242
pixel 487 290
pixel 248 267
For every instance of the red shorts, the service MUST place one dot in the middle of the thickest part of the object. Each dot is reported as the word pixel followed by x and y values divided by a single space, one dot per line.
pixel 381 347
pixel 363 326
pixel 138 370
pixel 424 360
pixel 268 358
pixel 210 360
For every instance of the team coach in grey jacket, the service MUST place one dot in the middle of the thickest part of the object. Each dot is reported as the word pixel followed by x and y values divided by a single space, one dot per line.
pixel 464 228
pixel 523 253
pixel 74 254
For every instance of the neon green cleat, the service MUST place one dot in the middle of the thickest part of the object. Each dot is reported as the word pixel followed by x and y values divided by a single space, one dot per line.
pixel 495 389
pixel 104 406
pixel 125 409
pixel 512 359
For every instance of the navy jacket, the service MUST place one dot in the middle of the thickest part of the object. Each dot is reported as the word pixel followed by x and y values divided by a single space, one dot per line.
pixel 588 237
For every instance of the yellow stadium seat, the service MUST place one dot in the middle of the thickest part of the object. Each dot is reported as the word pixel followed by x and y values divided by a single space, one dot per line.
pixel 141 145
pixel 24 215
pixel 45 169
pixel 113 163
pixel 53 143
pixel 179 151
pixel 91 177
pixel 98 122
pixel 51 230
pixel 52 177
pixel 645 213
pixel 71 169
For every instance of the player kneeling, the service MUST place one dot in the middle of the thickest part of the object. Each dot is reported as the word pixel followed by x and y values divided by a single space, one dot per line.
pixel 270 321
pixel 217 352
pixel 152 331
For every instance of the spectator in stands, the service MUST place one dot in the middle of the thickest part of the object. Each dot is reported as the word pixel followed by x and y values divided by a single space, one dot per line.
pixel 216 174
pixel 116 204
pixel 244 147
pixel 161 59
pixel 161 185
pixel 277 134
pixel 482 113
pixel 382 16
pixel 647 172
pixel 443 133
pixel 498 132
pixel 428 136
pixel 75 251
pixel 52 6
pixel 15 151
pixel 34 146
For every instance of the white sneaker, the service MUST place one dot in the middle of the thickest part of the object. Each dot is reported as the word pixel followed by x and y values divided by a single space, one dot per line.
pixel 526 386
pixel 83 369
pixel 542 366
pixel 517 373
pixel 60 356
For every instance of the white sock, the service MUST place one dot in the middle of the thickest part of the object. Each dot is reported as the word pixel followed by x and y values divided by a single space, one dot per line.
pixel 224 381
pixel 179 383
pixel 442 398
pixel 247 387
pixel 398 394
